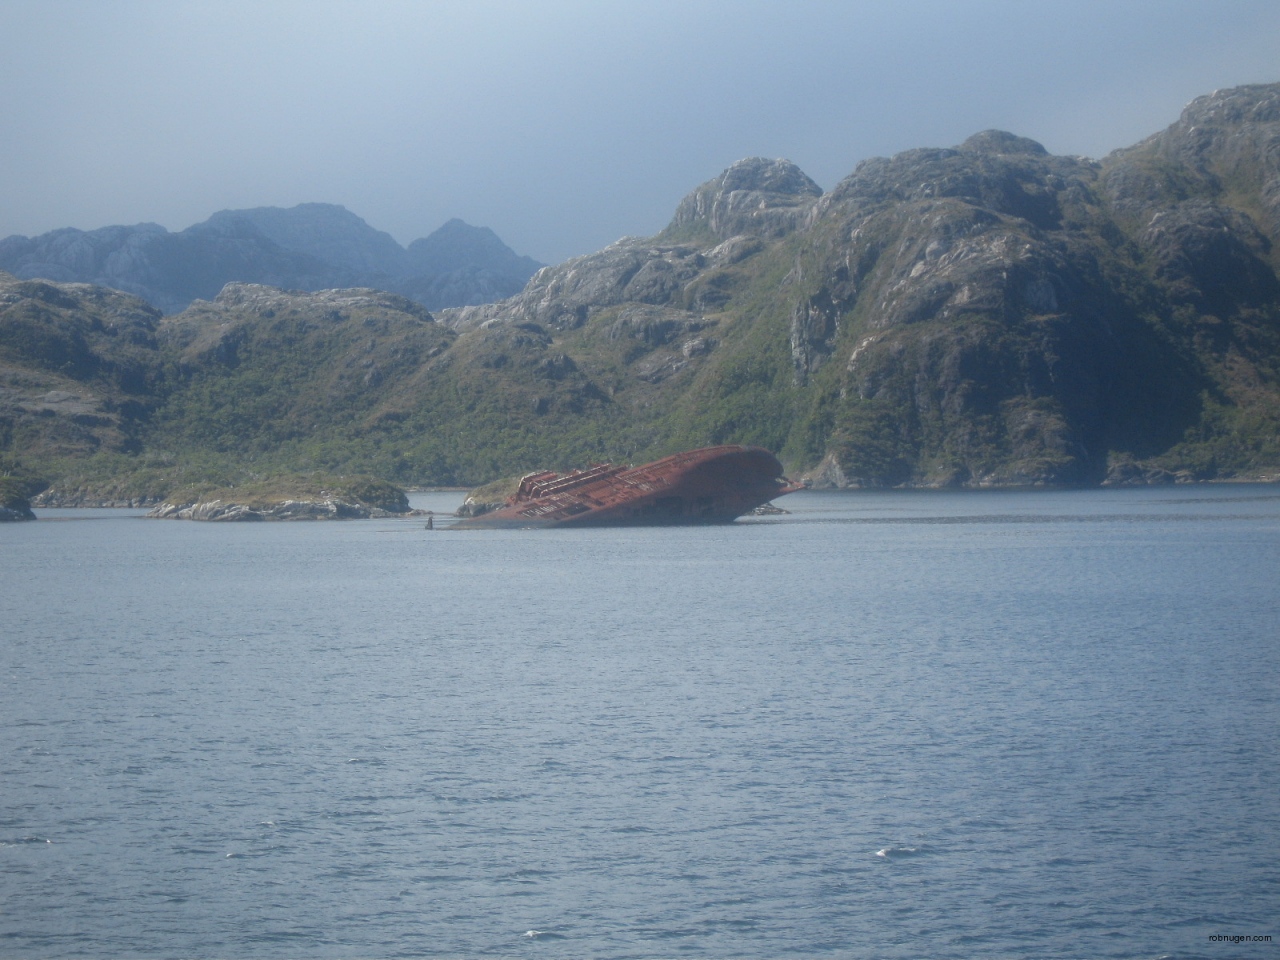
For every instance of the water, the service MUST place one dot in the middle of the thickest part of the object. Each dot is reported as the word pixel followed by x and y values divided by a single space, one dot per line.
pixel 884 725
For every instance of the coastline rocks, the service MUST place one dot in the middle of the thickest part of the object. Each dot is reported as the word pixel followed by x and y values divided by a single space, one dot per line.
pixel 222 510
pixel 473 508
pixel 767 510
pixel 828 475
pixel 15 512
pixel 490 496
pixel 82 499
pixel 14 505
pixel 1129 473
pixel 290 498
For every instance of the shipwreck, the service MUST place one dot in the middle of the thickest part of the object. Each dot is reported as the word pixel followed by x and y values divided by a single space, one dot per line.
pixel 707 485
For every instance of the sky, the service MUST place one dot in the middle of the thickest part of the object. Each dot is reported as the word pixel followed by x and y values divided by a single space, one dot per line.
pixel 561 125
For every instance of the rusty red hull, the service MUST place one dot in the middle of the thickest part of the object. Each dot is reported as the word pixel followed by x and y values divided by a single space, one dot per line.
pixel 708 485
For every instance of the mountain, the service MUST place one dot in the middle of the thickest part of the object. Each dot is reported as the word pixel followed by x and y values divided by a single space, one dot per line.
pixel 80 374
pixel 460 264
pixel 168 270
pixel 987 314
pixel 326 231
pixel 982 315
pixel 313 246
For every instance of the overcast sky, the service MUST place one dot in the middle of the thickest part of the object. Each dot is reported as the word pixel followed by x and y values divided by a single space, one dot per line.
pixel 561 125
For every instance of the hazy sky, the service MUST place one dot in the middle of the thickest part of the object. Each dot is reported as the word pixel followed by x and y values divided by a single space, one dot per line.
pixel 561 125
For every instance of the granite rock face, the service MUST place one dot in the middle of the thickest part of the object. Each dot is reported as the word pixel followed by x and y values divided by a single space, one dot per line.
pixel 755 197
pixel 1222 141
pixel 727 220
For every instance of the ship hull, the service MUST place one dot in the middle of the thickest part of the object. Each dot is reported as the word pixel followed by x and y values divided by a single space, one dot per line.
pixel 711 485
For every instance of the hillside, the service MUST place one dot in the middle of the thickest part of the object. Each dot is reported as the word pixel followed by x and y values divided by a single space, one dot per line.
pixel 982 315
pixel 313 246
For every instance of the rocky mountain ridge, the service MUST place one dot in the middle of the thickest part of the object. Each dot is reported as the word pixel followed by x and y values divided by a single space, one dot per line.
pixel 988 314
pixel 982 315
pixel 313 246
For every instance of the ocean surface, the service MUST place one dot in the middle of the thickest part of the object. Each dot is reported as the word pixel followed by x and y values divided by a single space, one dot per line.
pixel 907 724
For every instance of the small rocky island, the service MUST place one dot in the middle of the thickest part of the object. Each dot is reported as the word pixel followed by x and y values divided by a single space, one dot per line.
pixel 290 498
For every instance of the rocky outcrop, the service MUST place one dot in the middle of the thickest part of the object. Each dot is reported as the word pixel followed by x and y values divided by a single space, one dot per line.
pixel 489 497
pixel 14 508
pixel 827 475
pixel 227 511
pixel 562 297
pixel 355 498
pixel 721 223
pixel 14 504
pixel 80 499
pixel 754 197
pixel 244 315
pixel 1223 141
pixel 1125 472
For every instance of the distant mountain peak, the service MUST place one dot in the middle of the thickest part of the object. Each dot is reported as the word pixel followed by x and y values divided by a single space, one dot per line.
pixel 327 231
pixel 458 225
pixel 768 176
pixel 310 246
pixel 1251 103
pixel 1002 142
pixel 457 245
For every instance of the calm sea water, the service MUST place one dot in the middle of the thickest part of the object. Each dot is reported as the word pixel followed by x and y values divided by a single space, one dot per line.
pixel 884 725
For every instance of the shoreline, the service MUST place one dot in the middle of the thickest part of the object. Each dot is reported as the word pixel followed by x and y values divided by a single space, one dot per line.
pixel 144 503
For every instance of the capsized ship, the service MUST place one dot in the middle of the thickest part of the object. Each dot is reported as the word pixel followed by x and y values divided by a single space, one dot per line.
pixel 707 485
